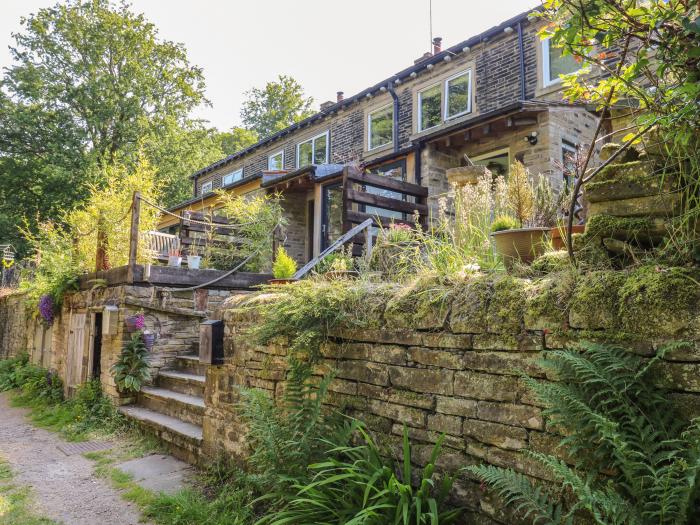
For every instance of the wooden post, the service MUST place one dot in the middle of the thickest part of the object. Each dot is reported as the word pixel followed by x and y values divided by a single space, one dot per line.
pixel 134 236
pixel 101 258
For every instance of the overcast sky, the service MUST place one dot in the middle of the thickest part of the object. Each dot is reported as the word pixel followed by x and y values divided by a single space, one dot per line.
pixel 327 46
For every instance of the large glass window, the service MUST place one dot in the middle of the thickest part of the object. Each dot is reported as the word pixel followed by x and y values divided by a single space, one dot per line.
pixel 313 151
pixel 498 162
pixel 380 127
pixel 232 177
pixel 429 107
pixel 275 162
pixel 458 95
pixel 555 64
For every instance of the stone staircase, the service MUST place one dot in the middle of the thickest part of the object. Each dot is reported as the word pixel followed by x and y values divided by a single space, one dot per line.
pixel 173 408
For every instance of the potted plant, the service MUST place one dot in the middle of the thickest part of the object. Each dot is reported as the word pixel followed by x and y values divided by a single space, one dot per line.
pixel 136 322
pixel 284 268
pixel 174 258
pixel 149 339
pixel 132 369
pixel 193 262
pixel 527 240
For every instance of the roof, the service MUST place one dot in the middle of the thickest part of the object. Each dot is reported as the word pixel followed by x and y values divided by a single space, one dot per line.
pixel 318 172
pixel 400 76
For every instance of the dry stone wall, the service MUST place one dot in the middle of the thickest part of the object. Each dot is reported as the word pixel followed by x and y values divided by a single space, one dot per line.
pixel 454 365
pixel 16 326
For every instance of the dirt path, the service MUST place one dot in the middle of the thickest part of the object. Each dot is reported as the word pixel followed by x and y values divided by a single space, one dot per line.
pixel 64 486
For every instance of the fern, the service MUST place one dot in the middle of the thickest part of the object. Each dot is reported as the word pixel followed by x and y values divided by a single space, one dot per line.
pixel 635 461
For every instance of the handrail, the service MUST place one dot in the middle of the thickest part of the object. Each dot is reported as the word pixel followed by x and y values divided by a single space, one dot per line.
pixel 365 225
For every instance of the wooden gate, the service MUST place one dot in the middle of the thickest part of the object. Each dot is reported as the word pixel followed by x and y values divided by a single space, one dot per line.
pixel 75 350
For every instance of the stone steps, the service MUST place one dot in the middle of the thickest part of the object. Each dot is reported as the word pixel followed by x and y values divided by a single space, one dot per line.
pixel 182 406
pixel 173 408
pixel 184 440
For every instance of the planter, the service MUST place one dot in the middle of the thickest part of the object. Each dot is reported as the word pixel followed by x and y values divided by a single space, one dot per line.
pixel 558 235
pixel 193 262
pixel 174 260
pixel 283 281
pixel 464 175
pixel 134 323
pixel 523 244
pixel 149 339
pixel 337 275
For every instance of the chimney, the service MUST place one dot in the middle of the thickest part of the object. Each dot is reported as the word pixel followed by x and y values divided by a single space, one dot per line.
pixel 437 45
pixel 325 105
pixel 425 56
pixel 339 96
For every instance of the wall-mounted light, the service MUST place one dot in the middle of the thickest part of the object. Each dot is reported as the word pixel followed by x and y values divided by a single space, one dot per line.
pixel 531 138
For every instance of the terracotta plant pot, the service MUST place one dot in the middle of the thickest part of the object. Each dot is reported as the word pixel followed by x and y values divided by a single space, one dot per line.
pixel 283 281
pixel 558 235
pixel 523 244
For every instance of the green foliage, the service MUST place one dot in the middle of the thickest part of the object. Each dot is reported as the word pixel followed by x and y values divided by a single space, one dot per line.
pixel 336 261
pixel 279 104
pixel 503 222
pixel 89 80
pixel 284 266
pixel 357 484
pixel 520 194
pixel 237 139
pixel 132 369
pixel 255 218
pixel 34 382
pixel 635 459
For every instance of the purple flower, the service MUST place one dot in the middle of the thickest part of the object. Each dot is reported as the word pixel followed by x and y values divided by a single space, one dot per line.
pixel 139 321
pixel 46 308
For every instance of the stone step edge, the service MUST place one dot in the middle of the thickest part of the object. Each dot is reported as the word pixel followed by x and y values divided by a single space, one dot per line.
pixel 182 376
pixel 164 394
pixel 188 431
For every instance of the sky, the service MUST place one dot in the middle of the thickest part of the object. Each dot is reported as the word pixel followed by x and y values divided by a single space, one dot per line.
pixel 326 45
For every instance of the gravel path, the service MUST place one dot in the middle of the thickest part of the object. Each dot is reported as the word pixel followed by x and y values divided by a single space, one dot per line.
pixel 65 488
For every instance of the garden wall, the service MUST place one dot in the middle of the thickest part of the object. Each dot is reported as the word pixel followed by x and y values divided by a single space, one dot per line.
pixel 446 359
pixel 16 326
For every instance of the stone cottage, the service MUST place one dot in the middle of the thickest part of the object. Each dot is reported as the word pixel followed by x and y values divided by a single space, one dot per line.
pixel 495 96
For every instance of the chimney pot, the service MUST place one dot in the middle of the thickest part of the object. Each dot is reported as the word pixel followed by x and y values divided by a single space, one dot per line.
pixel 437 45
pixel 339 96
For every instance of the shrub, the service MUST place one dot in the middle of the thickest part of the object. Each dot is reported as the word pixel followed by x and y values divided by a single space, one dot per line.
pixel 131 369
pixel 284 266
pixel 520 194
pixel 635 460
pixel 504 222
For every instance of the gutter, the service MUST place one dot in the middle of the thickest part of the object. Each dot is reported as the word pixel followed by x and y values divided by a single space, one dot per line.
pixel 395 119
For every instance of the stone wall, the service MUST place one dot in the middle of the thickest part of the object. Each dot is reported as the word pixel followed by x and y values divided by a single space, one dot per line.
pixel 16 326
pixel 449 361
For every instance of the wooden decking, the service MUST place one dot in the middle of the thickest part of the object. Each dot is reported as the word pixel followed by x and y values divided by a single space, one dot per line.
pixel 175 277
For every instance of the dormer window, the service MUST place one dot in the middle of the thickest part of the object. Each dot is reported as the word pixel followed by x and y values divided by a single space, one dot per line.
pixel 554 64
pixel 275 162
pixel 313 151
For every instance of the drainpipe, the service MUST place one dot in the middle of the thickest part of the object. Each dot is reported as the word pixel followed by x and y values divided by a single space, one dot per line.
pixel 393 94
pixel 417 151
pixel 521 50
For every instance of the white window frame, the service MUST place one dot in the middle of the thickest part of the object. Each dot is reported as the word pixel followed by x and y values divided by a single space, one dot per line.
pixel 420 107
pixel 446 92
pixel 270 157
pixel 495 153
pixel 313 147
pixel 232 175
pixel 207 187
pixel 369 127
pixel 546 66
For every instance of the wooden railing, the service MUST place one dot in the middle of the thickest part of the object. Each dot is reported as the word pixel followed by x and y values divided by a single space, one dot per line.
pixel 348 236
pixel 360 191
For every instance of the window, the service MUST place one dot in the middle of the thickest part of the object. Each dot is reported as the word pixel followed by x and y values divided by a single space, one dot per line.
pixel 554 64
pixel 275 162
pixel 313 151
pixel 568 161
pixel 458 95
pixel 380 127
pixel 498 162
pixel 207 187
pixel 429 107
pixel 232 177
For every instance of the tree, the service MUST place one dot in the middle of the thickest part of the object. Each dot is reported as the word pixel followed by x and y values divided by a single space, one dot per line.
pixel 278 105
pixel 90 80
pixel 237 139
